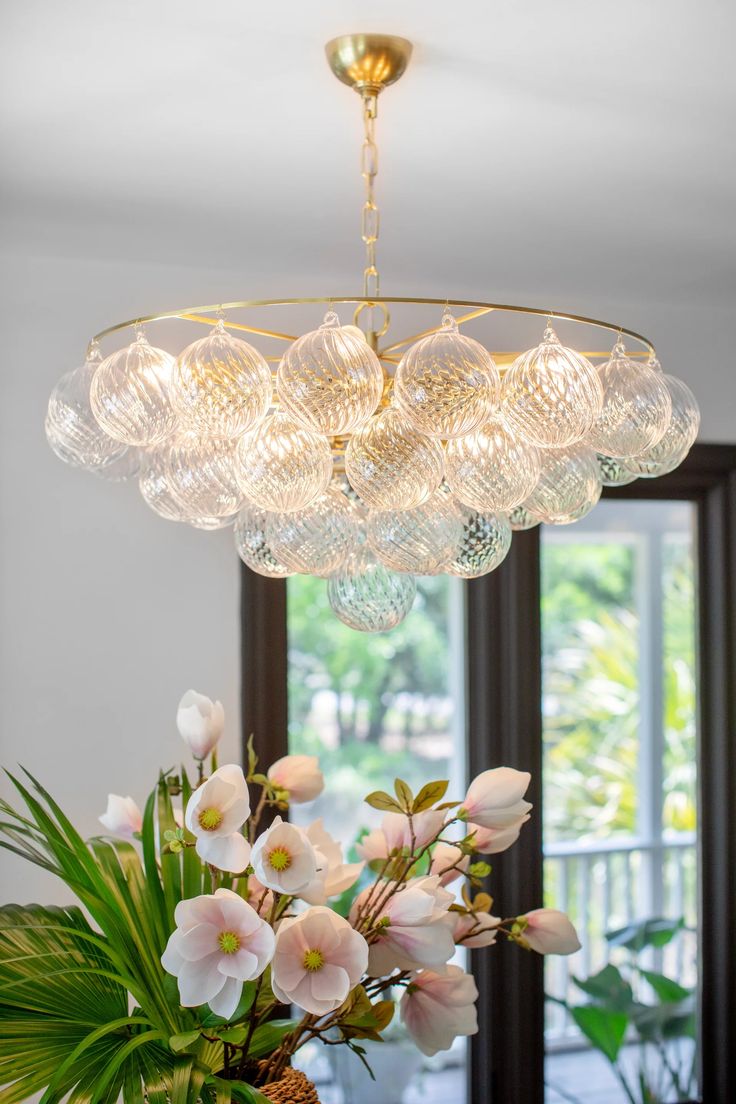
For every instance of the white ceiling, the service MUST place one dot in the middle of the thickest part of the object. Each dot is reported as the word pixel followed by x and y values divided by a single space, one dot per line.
pixel 572 154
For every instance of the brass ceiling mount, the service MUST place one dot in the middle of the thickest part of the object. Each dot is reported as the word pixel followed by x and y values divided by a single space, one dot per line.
pixel 368 62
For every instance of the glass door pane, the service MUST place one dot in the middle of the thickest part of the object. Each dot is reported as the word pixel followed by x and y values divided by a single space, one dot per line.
pixel 620 821
pixel 374 707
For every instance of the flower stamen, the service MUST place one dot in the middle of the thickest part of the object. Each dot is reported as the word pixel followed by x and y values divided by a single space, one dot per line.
pixel 313 960
pixel 280 859
pixel 210 819
pixel 228 942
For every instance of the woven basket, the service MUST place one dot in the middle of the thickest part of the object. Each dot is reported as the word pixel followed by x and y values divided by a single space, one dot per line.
pixel 293 1088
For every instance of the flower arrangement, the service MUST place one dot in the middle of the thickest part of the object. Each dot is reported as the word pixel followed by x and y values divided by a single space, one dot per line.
pixel 217 938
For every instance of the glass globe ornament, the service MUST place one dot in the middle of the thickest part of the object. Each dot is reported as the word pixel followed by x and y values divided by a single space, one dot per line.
pixel 520 519
pixel 330 380
pixel 419 541
pixel 569 482
pixel 551 395
pixel 155 488
pixel 679 436
pixel 317 539
pixel 390 465
pixel 485 543
pixel 72 430
pixel 491 469
pixel 447 384
pixel 221 385
pixel 636 407
pixel 124 467
pixel 281 466
pixel 613 472
pixel 367 596
pixel 209 524
pixel 131 394
pixel 200 473
pixel 252 544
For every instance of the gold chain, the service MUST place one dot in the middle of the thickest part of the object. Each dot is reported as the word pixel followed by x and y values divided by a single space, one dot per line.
pixel 370 216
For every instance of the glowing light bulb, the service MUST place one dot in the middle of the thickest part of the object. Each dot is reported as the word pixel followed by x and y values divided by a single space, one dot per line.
pixel 491 469
pixel 252 544
pixel 317 539
pixel 390 465
pixel 131 394
pixel 636 407
pixel 369 597
pixel 679 436
pixel 551 395
pixel 485 543
pixel 201 477
pixel 72 430
pixel 281 466
pixel 221 385
pixel 419 541
pixel 569 482
pixel 330 380
pixel 447 384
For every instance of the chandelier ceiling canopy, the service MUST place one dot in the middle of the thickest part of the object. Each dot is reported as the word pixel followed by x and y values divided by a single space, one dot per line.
pixel 397 437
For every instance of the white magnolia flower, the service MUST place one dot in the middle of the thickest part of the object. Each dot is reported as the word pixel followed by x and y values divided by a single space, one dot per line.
pixel 448 862
pixel 299 775
pixel 413 924
pixel 333 875
pixel 395 834
pixel 491 841
pixel 215 813
pixel 474 929
pixel 200 723
pixel 122 816
pixel 495 798
pixel 549 931
pixel 318 959
pixel 219 943
pixel 283 858
pixel 436 1008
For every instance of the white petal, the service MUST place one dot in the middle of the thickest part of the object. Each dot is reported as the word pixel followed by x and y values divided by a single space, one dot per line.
pixel 226 1001
pixel 231 853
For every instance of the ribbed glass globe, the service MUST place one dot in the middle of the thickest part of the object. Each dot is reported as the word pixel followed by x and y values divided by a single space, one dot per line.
pixel 123 467
pixel 211 523
pixel 155 488
pixel 367 596
pixel 447 384
pixel 636 407
pixel 520 519
pixel 317 539
pixel 201 476
pixel 391 465
pixel 221 385
pixel 419 541
pixel 72 430
pixel 613 473
pixel 569 482
pixel 252 544
pixel 551 395
pixel 281 466
pixel 330 380
pixel 491 469
pixel 131 394
pixel 485 542
pixel 679 437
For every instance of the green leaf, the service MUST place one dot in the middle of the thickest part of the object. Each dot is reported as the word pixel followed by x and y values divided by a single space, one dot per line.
pixel 404 795
pixel 608 987
pixel 429 795
pixel 667 990
pixel 186 1039
pixel 383 801
pixel 645 933
pixel 268 1036
pixel 605 1029
pixel 479 869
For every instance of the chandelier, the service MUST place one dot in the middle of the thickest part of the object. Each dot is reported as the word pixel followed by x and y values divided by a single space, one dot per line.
pixel 357 454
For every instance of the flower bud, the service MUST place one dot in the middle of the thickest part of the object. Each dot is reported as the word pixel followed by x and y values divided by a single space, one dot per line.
pixel 299 775
pixel 122 816
pixel 200 723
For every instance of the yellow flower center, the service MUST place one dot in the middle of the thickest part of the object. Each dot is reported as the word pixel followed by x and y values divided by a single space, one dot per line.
pixel 313 960
pixel 280 859
pixel 210 819
pixel 229 942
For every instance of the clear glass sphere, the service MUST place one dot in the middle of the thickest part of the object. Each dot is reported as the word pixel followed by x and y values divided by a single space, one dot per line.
pixel 200 472
pixel 491 469
pixel 447 384
pixel 317 539
pixel 679 436
pixel 211 523
pixel 520 519
pixel 551 395
pixel 131 394
pixel 330 380
pixel 366 595
pixel 419 541
pixel 485 543
pixel 252 544
pixel 636 407
pixel 122 468
pixel 391 465
pixel 155 488
pixel 281 466
pixel 569 482
pixel 221 385
pixel 613 473
pixel 72 430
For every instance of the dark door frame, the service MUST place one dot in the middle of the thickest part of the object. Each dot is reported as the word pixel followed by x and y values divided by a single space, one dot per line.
pixel 504 723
